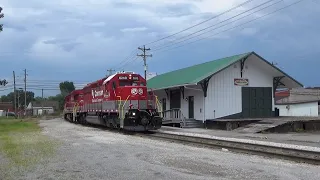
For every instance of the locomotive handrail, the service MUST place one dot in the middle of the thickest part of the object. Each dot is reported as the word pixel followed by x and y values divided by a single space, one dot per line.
pixel 123 106
pixel 74 111
pixel 159 106
pixel 119 105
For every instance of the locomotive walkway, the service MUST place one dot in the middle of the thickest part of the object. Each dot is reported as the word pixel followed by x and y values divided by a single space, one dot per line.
pixel 297 147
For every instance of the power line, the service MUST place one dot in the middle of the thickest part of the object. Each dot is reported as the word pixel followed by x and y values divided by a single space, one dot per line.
pixel 163 46
pixel 235 26
pixel 201 22
pixel 125 60
pixel 124 65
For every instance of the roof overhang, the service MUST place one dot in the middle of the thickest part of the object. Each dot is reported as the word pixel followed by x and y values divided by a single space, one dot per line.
pixel 171 87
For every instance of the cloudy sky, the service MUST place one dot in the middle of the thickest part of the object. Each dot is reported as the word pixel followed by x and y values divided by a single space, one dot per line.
pixel 78 40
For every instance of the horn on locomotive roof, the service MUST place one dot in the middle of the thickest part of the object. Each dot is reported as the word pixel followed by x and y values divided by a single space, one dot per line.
pixel 125 72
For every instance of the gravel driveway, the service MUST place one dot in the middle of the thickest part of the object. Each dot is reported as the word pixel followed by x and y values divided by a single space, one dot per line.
pixel 92 153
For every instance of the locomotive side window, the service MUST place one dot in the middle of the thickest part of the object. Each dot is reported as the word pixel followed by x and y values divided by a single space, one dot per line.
pixel 114 85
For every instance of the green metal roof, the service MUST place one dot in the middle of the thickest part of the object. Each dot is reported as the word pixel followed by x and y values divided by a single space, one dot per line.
pixel 195 74
pixel 192 74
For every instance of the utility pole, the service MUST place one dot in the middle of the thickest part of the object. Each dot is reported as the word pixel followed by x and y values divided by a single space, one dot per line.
pixel 42 102
pixel 18 102
pixel 110 71
pixel 14 93
pixel 25 91
pixel 144 56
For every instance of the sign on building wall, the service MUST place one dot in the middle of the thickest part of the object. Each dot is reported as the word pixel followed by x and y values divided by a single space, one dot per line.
pixel 241 82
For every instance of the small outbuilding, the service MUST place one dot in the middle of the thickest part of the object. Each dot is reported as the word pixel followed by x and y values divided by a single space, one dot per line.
pixel 298 102
pixel 36 108
pixel 239 86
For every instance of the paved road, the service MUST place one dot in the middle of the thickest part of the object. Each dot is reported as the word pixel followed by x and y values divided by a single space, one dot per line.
pixel 91 153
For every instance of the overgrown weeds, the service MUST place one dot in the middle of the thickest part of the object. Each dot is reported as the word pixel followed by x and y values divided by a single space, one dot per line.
pixel 22 145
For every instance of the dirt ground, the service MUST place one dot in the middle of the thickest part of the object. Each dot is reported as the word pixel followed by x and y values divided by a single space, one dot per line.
pixel 93 153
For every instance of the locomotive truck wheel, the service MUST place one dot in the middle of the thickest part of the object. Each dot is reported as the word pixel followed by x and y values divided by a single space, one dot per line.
pixel 144 121
pixel 84 121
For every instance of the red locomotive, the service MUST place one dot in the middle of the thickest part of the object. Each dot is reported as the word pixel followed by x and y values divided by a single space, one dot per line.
pixel 119 101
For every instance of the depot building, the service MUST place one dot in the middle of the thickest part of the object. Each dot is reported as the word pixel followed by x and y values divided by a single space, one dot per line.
pixel 239 86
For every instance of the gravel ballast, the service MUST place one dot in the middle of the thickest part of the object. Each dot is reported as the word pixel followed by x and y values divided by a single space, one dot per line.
pixel 93 153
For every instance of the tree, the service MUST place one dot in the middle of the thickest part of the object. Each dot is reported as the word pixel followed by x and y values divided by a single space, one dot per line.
pixel 1 16
pixel 20 95
pixel 59 98
pixel 3 82
pixel 66 87
pixel 4 98
pixel 38 99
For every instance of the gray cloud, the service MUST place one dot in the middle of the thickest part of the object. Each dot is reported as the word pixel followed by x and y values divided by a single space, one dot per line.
pixel 48 32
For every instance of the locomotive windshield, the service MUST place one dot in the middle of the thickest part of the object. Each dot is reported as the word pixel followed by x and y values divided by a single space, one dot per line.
pixel 128 83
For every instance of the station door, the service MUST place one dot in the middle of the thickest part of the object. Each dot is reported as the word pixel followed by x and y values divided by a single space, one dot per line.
pixel 256 102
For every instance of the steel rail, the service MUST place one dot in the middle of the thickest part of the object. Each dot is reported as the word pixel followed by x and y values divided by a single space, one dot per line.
pixel 297 155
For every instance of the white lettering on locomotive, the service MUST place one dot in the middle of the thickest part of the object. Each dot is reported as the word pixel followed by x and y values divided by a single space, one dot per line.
pixel 97 100
pixel 140 91
pixel 96 93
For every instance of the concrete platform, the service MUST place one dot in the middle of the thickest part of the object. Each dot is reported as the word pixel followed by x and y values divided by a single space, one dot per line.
pixel 257 125
pixel 281 124
pixel 262 125
pixel 300 139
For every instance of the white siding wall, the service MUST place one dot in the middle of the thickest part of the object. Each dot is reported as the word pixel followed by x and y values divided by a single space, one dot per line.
pixel 303 109
pixel 224 98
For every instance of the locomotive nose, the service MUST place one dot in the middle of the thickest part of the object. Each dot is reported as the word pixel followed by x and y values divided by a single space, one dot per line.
pixel 138 91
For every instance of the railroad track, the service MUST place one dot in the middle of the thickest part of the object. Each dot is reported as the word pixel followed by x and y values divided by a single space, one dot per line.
pixel 298 154
pixel 301 154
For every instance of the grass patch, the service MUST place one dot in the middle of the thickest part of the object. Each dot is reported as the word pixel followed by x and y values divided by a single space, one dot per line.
pixel 22 144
